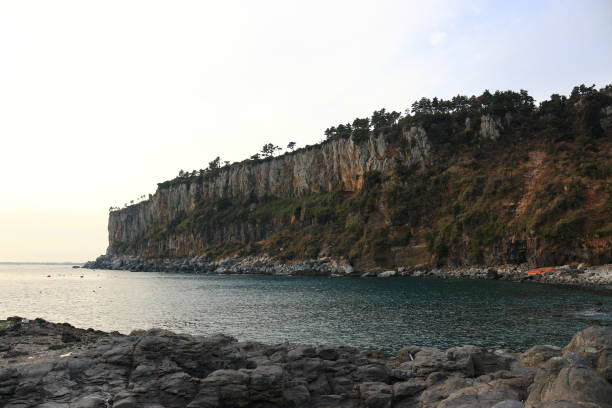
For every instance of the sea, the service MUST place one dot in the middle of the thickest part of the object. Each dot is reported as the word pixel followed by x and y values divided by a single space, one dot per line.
pixel 369 313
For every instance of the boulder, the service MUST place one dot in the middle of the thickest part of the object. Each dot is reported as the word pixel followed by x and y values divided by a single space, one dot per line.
pixel 569 379
pixel 376 394
pixel 372 373
pixel 595 345
pixel 537 355
pixel 408 388
pixel 387 274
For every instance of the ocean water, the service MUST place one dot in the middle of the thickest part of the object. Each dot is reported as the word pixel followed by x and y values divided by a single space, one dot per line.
pixel 381 314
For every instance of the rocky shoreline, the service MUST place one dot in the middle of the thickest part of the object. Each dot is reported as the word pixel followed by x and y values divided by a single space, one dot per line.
pixel 599 277
pixel 49 365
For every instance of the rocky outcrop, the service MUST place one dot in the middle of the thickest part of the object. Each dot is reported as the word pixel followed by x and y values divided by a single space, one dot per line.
pixel 490 127
pixel 56 365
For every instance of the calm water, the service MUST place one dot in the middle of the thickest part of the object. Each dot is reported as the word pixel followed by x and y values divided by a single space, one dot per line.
pixel 383 314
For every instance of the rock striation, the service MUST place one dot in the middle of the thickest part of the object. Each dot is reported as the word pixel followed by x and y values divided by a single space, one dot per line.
pixel 56 365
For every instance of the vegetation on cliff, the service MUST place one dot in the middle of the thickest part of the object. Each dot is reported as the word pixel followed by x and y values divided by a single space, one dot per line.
pixel 506 181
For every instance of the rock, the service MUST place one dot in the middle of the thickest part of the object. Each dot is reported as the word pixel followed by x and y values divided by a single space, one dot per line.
pixel 267 384
pixel 128 402
pixel 537 355
pixel 481 395
pixel 408 388
pixel 376 395
pixel 441 388
pixel 387 274
pixel 157 368
pixel 296 393
pixel 490 127
pixel 372 373
pixel 595 345
pixel 407 353
pixel 301 352
pixel 223 388
pixel 327 353
pixel 92 401
pixel 568 379
pixel 509 404
pixel 493 274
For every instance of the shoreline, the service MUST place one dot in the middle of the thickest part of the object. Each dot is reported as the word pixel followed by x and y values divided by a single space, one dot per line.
pixel 57 365
pixel 598 278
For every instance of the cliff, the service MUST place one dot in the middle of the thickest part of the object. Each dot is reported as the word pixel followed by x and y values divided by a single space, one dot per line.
pixel 489 181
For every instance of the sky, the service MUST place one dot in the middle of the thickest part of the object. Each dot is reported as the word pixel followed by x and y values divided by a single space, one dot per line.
pixel 101 100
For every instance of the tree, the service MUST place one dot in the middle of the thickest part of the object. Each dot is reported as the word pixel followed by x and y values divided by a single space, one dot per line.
pixel 382 119
pixel 361 129
pixel 215 164
pixel 269 149
pixel 330 132
pixel 255 157
pixel 344 131
pixel 291 146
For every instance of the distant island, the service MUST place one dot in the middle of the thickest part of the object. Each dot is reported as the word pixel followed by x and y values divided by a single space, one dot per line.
pixel 488 180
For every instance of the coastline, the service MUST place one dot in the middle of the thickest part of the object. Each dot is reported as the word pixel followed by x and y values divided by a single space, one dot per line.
pixel 591 277
pixel 57 365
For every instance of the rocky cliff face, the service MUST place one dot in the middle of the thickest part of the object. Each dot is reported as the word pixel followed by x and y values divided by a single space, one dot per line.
pixel 336 165
pixel 472 186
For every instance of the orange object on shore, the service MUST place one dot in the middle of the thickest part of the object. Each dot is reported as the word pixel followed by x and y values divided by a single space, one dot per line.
pixel 540 271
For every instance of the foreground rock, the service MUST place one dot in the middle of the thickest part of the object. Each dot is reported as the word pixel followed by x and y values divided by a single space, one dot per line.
pixel 599 277
pixel 56 366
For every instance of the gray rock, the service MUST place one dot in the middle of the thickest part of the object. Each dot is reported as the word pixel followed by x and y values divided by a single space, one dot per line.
pixel 301 352
pixel 372 373
pixel 509 404
pixel 408 388
pixel 267 383
pixel 376 394
pixel 128 402
pixel 91 401
pixel 296 393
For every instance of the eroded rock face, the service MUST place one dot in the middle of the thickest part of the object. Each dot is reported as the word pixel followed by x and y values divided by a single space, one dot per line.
pixel 337 165
pixel 158 368
pixel 490 127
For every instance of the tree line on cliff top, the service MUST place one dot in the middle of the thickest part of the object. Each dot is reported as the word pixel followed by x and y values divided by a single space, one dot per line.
pixel 551 118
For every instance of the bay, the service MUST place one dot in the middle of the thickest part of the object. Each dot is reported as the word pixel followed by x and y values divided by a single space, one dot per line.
pixel 380 314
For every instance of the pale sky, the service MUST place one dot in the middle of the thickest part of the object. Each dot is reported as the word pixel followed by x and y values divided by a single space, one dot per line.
pixel 101 100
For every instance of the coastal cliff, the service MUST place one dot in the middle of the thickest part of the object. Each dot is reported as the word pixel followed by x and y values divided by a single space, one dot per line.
pixel 489 181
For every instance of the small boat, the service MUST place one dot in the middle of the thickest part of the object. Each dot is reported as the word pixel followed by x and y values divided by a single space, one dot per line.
pixel 541 271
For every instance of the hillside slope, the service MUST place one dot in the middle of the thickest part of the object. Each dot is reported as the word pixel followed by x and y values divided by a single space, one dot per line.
pixel 482 180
